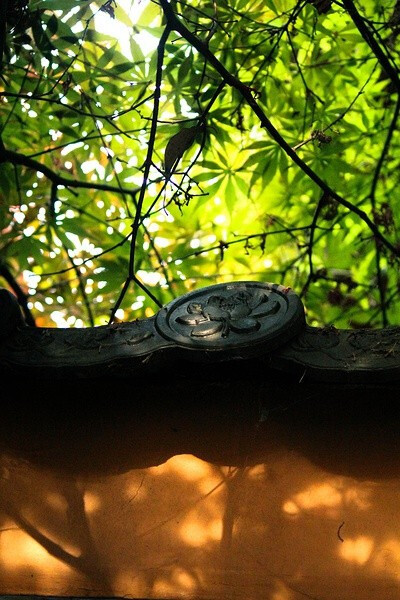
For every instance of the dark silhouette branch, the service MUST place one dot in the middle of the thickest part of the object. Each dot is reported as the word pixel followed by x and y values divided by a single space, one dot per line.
pixel 20 294
pixel 16 158
pixel 244 240
pixel 147 166
pixel 381 279
pixel 368 36
pixel 323 199
pixel 111 159
pixel 79 111
pixel 385 149
pixel 83 139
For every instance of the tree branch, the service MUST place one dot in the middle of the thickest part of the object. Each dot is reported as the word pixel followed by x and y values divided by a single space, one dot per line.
pixel 21 296
pixel 323 199
pixel 148 163
pixel 391 130
pixel 16 158
pixel 381 280
pixel 360 23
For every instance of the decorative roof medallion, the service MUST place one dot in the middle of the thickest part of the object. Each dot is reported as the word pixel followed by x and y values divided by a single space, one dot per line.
pixel 248 316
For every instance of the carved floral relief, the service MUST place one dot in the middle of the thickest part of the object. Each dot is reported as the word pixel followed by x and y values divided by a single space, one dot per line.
pixel 239 313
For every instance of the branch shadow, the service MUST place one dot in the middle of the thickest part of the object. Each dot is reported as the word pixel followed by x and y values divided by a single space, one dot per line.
pixel 262 450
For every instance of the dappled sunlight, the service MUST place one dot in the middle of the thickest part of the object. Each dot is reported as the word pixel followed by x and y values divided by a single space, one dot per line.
pixel 56 502
pixel 321 496
pixel 136 490
pixel 179 582
pixel 129 583
pixel 330 497
pixel 185 465
pixel 291 508
pixel 386 558
pixel 275 530
pixel 357 550
pixel 92 502
pixel 18 549
pixel 192 469
pixel 257 472
pixel 224 449
pixel 281 592
pixel 358 496
pixel 197 533
pixel 199 511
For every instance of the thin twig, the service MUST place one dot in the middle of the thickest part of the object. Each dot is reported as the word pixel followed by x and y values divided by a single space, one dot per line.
pixel 16 158
pixel 378 255
pixel 243 240
pixel 148 163
pixel 313 226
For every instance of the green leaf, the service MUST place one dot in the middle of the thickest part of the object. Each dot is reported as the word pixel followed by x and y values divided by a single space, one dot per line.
pixel 121 15
pixel 150 13
pixel 259 158
pixel 66 242
pixel 137 53
pixel 122 68
pixel 107 57
pixel 27 247
pixel 207 176
pixel 270 169
pixel 209 164
pixel 185 68
pixel 177 145
pixel 41 39
pixel 230 194
pixel 87 116
pixel 52 25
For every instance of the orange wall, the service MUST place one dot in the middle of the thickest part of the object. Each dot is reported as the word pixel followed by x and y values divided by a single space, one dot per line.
pixel 204 502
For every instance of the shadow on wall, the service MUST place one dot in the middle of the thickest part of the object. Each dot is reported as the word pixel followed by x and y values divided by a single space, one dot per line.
pixel 277 492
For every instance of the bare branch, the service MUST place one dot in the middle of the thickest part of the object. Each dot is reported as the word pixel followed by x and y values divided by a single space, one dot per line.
pixel 16 158
pixel 148 163
pixel 20 294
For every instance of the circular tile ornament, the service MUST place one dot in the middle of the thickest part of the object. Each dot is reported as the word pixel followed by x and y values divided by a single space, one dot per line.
pixel 251 317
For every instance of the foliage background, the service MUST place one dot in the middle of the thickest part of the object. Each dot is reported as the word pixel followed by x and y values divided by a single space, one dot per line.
pixel 151 148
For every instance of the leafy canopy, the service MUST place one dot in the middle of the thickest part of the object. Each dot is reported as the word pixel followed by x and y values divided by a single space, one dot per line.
pixel 152 147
